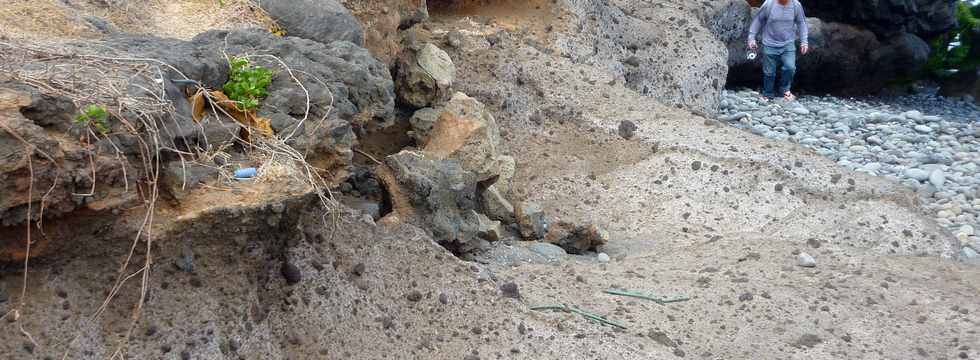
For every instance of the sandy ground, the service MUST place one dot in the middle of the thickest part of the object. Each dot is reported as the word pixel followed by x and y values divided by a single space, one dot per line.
pixel 182 19
pixel 694 208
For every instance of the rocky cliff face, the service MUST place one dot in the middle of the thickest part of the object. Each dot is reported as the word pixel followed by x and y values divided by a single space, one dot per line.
pixel 888 18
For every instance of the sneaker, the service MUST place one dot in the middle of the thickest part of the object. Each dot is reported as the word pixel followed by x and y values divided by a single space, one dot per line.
pixel 789 96
pixel 765 99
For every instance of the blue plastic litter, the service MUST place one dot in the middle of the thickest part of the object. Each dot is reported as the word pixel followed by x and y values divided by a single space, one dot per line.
pixel 245 173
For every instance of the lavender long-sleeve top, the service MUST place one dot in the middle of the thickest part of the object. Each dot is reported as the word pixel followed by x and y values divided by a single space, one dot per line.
pixel 780 24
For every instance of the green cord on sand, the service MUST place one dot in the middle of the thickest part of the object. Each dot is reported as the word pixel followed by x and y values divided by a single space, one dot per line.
pixel 641 296
pixel 585 314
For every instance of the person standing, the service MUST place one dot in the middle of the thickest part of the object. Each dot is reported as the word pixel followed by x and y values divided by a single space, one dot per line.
pixel 781 22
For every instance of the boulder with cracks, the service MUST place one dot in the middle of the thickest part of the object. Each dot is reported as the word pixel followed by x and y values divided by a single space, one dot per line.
pixel 438 195
pixel 463 129
pixel 320 20
pixel 425 75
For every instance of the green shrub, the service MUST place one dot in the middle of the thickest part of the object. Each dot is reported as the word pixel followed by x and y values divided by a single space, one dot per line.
pixel 943 58
pixel 94 116
pixel 247 84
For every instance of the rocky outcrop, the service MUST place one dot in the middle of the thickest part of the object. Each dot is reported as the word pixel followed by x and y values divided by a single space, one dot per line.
pixel 440 196
pixel 658 51
pixel 729 22
pixel 383 20
pixel 319 20
pixel 900 57
pixel 463 129
pixel 42 169
pixel 888 18
pixel 343 87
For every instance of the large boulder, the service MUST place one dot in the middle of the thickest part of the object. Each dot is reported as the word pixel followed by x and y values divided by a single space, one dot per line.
pixel 887 18
pixel 324 21
pixel 901 56
pixel 425 75
pixel 963 83
pixel 464 130
pixel 440 196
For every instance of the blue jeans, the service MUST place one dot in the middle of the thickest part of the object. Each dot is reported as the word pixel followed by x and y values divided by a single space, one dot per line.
pixel 772 57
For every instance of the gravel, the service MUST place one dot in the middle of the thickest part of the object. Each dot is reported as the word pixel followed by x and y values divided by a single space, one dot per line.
pixel 926 142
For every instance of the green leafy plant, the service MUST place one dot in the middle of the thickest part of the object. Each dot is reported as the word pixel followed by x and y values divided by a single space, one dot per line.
pixel 94 116
pixel 247 84
pixel 945 57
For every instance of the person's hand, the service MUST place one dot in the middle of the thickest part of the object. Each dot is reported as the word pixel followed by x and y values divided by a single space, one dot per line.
pixel 753 45
pixel 805 49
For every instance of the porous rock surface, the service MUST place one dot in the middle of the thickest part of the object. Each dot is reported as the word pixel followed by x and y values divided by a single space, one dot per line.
pixel 61 170
pixel 319 20
pixel 439 195
pixel 425 75
pixel 382 21
pixel 658 49
pixel 464 130
pixel 889 17
pixel 693 208
pixel 347 88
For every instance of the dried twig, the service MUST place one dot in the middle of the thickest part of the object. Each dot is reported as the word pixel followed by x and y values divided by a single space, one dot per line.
pixel 367 156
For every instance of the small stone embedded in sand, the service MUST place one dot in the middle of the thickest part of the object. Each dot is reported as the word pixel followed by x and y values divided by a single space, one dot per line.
pixel 808 341
pixel 291 273
pixel 923 129
pixel 576 239
pixel 627 129
pixel 966 230
pixel 969 253
pixel 358 269
pixel 547 249
pixel 917 174
pixel 510 290
pixel 937 178
pixel 531 222
pixel 805 260
pixel 603 257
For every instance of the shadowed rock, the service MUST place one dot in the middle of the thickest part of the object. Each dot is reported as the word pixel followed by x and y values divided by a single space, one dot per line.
pixel 325 21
